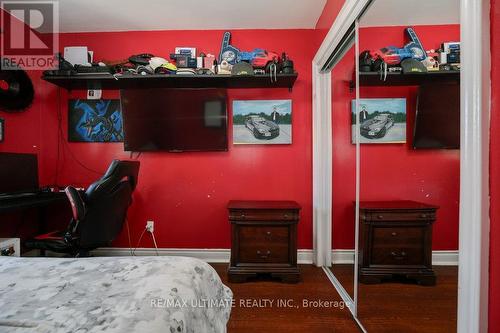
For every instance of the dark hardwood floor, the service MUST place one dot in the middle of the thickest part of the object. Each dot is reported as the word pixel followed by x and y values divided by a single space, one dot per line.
pixel 411 308
pixel 394 307
pixel 269 317
pixel 384 308
pixel 345 275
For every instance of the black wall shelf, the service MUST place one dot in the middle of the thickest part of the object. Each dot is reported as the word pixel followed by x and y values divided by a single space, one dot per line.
pixel 109 82
pixel 399 79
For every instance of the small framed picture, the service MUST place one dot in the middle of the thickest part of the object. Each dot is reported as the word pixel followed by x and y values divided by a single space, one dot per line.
pixel 1 129
pixel 381 120
pixel 262 122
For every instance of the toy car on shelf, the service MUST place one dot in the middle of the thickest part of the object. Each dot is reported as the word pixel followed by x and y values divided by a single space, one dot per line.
pixel 259 58
pixel 393 55
pixel 377 126
pixel 262 128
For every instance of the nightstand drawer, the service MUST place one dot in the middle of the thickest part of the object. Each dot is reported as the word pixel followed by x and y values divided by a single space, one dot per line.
pixel 394 256
pixel 249 235
pixel 263 215
pixel 272 253
pixel 400 216
pixel 398 246
pixel 397 236
pixel 263 244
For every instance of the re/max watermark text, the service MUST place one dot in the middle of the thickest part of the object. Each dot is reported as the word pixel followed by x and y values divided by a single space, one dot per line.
pixel 247 303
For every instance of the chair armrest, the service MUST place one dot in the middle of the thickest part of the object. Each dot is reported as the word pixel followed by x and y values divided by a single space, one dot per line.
pixel 77 204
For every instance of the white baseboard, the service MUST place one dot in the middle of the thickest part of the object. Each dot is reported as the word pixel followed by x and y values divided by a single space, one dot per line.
pixel 439 258
pixel 342 256
pixel 304 256
pixel 208 255
pixel 445 258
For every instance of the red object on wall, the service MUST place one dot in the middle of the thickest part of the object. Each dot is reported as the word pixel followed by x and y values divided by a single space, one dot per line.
pixel 185 194
pixel 391 171
pixel 494 293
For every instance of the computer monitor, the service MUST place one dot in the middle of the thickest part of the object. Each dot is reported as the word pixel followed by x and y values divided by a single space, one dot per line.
pixel 18 172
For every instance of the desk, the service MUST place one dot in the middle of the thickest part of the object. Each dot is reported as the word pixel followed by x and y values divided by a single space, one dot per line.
pixel 33 201
pixel 40 201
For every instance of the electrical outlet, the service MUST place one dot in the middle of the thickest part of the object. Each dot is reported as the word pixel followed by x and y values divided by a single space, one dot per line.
pixel 94 94
pixel 150 226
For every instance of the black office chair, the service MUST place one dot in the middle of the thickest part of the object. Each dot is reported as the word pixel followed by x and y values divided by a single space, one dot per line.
pixel 98 214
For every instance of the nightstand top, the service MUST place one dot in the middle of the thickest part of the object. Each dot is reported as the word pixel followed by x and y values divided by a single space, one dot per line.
pixel 395 204
pixel 261 204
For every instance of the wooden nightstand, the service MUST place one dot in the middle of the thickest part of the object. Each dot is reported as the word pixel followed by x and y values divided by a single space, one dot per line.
pixel 396 239
pixel 263 239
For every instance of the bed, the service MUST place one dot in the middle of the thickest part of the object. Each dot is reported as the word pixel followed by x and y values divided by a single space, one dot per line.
pixel 112 294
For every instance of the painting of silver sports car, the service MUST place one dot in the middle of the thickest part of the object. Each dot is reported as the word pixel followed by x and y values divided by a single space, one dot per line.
pixel 380 120
pixel 262 128
pixel 376 127
pixel 262 122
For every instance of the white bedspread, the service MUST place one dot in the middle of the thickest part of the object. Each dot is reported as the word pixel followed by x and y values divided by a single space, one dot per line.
pixel 112 294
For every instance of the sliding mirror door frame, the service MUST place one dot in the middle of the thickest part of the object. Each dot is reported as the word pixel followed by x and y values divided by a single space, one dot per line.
pixel 474 171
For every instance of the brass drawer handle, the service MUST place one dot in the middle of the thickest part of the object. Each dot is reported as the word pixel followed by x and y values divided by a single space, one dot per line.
pixel 394 234
pixel 285 216
pixel 380 217
pixel 268 233
pixel 242 215
pixel 264 256
pixel 423 216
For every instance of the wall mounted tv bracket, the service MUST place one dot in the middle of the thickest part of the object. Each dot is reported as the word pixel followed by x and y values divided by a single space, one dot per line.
pixel 227 51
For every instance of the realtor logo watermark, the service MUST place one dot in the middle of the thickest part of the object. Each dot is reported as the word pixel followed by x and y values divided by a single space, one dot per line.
pixel 29 34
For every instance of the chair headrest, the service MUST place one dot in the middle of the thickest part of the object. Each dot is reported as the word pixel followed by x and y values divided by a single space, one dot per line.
pixel 116 173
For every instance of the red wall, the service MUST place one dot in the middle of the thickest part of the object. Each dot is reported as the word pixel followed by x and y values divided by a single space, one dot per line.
pixel 391 171
pixel 329 14
pixel 494 297
pixel 185 194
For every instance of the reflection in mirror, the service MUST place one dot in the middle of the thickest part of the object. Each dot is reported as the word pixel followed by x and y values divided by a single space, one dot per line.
pixel 409 190
pixel 344 167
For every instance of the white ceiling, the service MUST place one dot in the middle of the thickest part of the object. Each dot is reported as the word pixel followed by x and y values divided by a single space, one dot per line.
pixel 144 15
pixel 411 12
pixel 139 15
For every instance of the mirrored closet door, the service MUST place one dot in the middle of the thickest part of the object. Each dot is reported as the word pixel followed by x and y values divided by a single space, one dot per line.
pixel 343 71
pixel 409 109
pixel 396 166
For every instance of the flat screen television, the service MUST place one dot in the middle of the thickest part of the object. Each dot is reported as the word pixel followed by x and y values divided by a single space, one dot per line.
pixel 174 120
pixel 18 172
pixel 437 121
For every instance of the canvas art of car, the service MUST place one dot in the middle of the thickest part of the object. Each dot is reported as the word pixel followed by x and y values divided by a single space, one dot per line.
pixel 381 120
pixel 377 126
pixel 262 122
pixel 95 121
pixel 262 128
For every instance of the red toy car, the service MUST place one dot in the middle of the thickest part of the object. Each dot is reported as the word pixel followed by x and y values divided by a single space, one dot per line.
pixel 258 58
